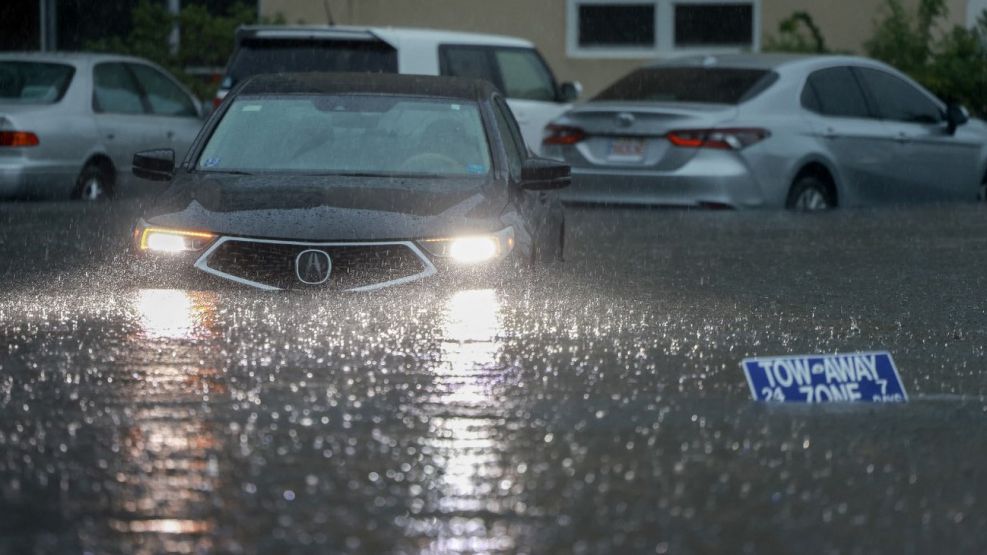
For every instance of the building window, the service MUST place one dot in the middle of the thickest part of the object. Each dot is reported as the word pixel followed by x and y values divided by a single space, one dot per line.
pixel 714 25
pixel 627 25
pixel 650 28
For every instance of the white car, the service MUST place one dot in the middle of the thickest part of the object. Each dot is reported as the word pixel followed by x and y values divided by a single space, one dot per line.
pixel 70 123
pixel 513 65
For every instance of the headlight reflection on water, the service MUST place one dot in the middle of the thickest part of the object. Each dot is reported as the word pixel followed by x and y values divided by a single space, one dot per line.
pixel 167 464
pixel 463 433
pixel 174 314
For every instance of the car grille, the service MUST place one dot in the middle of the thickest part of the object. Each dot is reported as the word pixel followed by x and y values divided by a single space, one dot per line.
pixel 353 266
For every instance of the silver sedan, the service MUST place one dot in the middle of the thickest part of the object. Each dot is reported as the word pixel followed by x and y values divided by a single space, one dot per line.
pixel 750 131
pixel 71 123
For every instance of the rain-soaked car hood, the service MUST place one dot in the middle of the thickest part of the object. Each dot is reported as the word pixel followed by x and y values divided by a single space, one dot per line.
pixel 340 208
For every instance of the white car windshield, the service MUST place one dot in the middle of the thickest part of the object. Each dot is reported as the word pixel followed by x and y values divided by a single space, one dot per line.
pixel 349 134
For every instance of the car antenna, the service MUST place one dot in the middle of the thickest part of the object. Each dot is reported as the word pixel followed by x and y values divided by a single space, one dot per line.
pixel 325 4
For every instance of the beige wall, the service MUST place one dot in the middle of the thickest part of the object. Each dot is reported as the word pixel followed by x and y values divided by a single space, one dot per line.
pixel 846 24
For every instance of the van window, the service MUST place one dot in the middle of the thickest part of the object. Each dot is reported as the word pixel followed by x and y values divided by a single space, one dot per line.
pixel 519 73
pixel 256 56
pixel 524 74
pixel 472 62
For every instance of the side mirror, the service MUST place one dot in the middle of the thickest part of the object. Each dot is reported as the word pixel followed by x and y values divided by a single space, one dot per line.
pixel 155 165
pixel 570 91
pixel 956 115
pixel 541 174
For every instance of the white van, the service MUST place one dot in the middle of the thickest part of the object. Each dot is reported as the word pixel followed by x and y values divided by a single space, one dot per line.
pixel 511 64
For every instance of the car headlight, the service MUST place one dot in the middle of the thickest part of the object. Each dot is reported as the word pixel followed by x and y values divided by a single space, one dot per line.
pixel 473 249
pixel 164 240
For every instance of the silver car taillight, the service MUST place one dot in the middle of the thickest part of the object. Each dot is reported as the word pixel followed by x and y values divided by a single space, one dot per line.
pixel 562 135
pixel 723 139
pixel 18 139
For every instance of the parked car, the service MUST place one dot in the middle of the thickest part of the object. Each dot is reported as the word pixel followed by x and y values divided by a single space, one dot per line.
pixel 71 123
pixel 746 131
pixel 513 65
pixel 353 183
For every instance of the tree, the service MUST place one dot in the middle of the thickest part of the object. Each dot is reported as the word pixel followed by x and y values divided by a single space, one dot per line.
pixel 952 63
pixel 791 38
pixel 205 39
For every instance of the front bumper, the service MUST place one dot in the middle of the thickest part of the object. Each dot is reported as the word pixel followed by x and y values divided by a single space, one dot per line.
pixel 270 265
pixel 709 179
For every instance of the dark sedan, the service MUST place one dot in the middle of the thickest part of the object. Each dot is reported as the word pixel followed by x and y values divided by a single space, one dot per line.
pixel 353 183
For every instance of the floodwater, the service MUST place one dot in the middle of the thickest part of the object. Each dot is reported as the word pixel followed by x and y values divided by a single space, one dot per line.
pixel 599 408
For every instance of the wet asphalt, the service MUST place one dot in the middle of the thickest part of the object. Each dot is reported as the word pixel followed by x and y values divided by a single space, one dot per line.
pixel 597 408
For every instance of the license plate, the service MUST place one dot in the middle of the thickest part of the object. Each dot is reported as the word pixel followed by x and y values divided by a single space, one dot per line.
pixel 626 150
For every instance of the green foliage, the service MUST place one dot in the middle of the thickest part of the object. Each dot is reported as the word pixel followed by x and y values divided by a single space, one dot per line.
pixel 906 39
pixel 205 39
pixel 799 34
pixel 950 62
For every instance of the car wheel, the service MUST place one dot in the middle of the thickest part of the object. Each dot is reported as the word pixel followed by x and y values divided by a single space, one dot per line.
pixel 810 194
pixel 95 183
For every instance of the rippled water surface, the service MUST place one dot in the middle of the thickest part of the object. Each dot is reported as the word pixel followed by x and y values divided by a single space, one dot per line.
pixel 599 408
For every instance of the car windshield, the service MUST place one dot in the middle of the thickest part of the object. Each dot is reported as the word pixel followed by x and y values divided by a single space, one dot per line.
pixel 257 56
pixel 33 82
pixel 688 84
pixel 349 134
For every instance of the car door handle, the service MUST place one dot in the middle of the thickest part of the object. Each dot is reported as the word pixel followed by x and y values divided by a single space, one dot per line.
pixel 903 138
pixel 831 134
pixel 170 134
pixel 110 136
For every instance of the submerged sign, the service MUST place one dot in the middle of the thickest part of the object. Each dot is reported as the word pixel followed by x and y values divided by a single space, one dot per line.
pixel 859 377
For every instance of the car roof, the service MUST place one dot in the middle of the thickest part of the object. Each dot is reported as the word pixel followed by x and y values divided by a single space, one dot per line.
pixel 68 57
pixel 392 35
pixel 767 62
pixel 368 83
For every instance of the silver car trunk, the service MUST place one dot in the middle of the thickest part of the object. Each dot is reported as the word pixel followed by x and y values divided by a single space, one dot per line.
pixel 633 134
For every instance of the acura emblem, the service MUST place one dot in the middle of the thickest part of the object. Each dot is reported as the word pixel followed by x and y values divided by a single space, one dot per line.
pixel 313 266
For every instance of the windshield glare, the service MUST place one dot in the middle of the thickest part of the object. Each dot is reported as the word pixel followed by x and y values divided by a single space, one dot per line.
pixel 349 134
pixel 33 83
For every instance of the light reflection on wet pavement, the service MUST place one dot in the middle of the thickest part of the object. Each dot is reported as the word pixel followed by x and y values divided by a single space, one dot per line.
pixel 599 410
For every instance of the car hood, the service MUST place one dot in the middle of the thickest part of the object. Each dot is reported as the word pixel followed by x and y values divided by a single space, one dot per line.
pixel 331 208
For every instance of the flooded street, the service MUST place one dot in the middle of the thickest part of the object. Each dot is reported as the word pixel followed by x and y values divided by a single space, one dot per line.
pixel 598 408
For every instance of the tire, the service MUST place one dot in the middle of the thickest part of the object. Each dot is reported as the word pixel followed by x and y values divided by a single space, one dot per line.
pixel 810 194
pixel 551 255
pixel 95 183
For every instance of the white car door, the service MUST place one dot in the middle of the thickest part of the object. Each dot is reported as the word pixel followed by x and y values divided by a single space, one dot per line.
pixel 175 110
pixel 121 118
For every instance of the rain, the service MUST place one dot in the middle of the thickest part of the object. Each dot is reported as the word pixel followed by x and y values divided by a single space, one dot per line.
pixel 599 407
pixel 510 398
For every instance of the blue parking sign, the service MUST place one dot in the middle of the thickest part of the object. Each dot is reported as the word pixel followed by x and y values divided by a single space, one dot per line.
pixel 837 378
